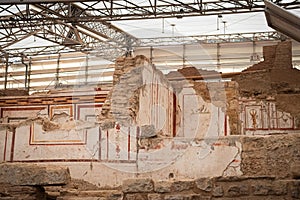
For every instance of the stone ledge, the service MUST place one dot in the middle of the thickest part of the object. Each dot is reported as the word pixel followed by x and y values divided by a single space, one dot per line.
pixel 33 174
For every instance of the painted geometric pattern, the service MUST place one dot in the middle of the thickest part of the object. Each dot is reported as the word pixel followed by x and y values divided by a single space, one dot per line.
pixel 30 143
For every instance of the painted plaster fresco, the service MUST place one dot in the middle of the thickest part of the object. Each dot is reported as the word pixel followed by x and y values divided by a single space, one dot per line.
pixel 156 103
pixel 263 117
pixel 118 144
pixel 31 142
pixel 200 119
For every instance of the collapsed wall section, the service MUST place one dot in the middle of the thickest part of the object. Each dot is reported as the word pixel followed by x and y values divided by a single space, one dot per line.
pixel 270 92
pixel 141 96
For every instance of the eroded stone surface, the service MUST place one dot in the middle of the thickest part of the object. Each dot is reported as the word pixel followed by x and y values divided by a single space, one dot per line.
pixel 31 174
pixel 295 170
pixel 137 185
pixel 204 184
pixel 270 155
pixel 16 192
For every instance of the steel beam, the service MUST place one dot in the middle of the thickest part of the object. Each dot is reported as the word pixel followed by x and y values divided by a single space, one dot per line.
pixel 130 10
pixel 73 25
pixel 212 39
pixel 75 36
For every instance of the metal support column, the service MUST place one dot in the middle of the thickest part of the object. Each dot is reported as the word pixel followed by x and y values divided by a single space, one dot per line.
pixel 26 73
pixel 183 55
pixel 218 57
pixel 6 71
pixel 29 73
pixel 151 54
pixel 57 71
pixel 86 72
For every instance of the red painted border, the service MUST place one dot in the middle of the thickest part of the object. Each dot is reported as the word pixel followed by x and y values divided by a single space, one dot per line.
pixel 225 125
pixel 174 114
pixel 23 108
pixel 128 145
pixel 53 143
pixel 75 160
pixel 79 106
pixel 5 146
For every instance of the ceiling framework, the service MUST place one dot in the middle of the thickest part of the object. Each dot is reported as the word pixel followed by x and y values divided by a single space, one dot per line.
pixel 73 25
pixel 213 39
pixel 66 36
pixel 159 41
pixel 141 9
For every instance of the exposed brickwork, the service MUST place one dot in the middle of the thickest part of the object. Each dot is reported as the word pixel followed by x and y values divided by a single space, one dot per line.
pixel 270 155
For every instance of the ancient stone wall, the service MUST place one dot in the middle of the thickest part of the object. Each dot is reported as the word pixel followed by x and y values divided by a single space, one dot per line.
pixel 158 142
pixel 271 155
pixel 270 167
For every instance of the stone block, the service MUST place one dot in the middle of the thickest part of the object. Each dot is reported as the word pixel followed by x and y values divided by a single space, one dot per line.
pixel 174 197
pixel 32 174
pixel 264 155
pixel 185 197
pixel 80 198
pixel 162 186
pixel 204 184
pixel 295 189
pixel 136 197
pixel 179 186
pixel 115 196
pixel 12 192
pixel 147 131
pixel 155 197
pixel 238 190
pixel 261 190
pixel 218 191
pixel 295 170
pixel 279 188
pixel 137 185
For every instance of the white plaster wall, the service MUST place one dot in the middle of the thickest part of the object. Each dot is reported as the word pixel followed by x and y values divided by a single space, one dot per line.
pixel 30 142
pixel 155 101
pixel 61 146
pixel 198 160
pixel 199 119
pixel 3 139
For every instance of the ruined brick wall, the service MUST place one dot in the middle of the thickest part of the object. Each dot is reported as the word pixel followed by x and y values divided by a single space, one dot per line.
pixel 224 96
pixel 121 103
pixel 141 96
pixel 274 78
pixel 272 155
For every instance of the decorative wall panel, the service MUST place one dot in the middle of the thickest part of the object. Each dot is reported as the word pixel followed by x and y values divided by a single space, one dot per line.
pixel 264 118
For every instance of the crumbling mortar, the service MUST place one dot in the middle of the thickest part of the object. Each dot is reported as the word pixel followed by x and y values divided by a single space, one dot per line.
pixel 49 125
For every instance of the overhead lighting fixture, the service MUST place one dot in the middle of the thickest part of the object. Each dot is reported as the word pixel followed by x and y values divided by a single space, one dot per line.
pixel 218 21
pixel 181 14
